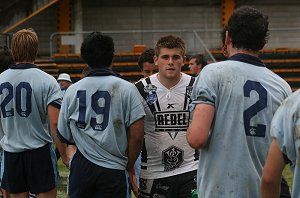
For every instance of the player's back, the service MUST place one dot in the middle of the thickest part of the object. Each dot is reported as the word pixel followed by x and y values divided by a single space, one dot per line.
pixel 26 92
pixel 99 110
pixel 245 97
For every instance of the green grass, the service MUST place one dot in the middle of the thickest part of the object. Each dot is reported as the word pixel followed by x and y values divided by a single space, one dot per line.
pixel 64 171
pixel 288 175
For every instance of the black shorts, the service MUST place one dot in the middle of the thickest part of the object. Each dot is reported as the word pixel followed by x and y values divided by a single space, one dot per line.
pixel 87 179
pixel 32 170
pixel 177 186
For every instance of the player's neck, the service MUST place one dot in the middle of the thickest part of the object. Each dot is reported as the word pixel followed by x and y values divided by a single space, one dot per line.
pixel 168 82
pixel 233 51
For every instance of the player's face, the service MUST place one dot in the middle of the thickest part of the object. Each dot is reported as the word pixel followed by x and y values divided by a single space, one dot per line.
pixel 149 69
pixel 64 84
pixel 195 69
pixel 169 62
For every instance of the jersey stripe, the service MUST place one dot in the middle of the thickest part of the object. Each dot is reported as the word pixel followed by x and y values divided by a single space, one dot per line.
pixel 187 95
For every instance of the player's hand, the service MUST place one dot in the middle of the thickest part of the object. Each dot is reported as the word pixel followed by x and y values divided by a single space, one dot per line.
pixel 66 161
pixel 133 181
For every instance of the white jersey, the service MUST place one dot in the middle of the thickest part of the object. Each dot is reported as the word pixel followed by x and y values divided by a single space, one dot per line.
pixel 25 93
pixel 245 95
pixel 166 151
pixel 95 115
pixel 285 128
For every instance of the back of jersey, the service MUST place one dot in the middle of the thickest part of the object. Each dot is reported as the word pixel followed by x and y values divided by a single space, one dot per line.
pixel 245 97
pixel 25 94
pixel 95 115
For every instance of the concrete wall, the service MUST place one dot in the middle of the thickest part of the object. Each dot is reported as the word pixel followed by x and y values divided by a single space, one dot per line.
pixel 158 18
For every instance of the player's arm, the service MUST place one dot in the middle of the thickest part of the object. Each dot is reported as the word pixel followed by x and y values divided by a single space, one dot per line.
pixel 135 143
pixel 198 132
pixel 53 113
pixel 272 172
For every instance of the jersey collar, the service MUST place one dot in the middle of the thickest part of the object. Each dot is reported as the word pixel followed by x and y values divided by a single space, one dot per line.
pixel 247 59
pixel 102 72
pixel 22 66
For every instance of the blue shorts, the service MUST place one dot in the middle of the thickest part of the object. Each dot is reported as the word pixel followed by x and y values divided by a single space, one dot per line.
pixel 32 170
pixel 87 179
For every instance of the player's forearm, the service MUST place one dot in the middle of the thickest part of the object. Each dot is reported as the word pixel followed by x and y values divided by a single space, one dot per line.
pixel 198 132
pixel 135 142
pixel 270 189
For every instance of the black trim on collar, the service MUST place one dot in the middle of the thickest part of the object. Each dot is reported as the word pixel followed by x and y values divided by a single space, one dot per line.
pixel 247 59
pixel 22 66
pixel 103 72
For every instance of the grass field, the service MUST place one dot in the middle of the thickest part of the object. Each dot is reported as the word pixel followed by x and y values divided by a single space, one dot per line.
pixel 63 171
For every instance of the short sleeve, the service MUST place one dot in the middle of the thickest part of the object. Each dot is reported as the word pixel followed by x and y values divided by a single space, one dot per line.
pixel 205 88
pixel 135 106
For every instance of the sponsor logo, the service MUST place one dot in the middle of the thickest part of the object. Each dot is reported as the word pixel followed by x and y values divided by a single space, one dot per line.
pixel 175 120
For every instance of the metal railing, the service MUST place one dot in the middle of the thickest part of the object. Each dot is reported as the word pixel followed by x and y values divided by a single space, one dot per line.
pixel 141 37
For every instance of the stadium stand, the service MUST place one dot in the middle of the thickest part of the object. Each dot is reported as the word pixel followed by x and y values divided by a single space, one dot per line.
pixel 284 62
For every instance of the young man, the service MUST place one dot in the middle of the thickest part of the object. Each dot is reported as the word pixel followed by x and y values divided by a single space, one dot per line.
pixel 146 63
pixel 197 63
pixel 233 105
pixel 168 163
pixel 30 101
pixel 102 115
pixel 284 149
pixel 6 59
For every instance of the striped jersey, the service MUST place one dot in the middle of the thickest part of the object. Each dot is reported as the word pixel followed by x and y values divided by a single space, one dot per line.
pixel 165 151
pixel 285 128
pixel 95 115
pixel 245 95
pixel 25 93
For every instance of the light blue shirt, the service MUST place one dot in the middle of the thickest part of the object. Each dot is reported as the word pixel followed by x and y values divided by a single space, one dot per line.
pixel 95 115
pixel 285 128
pixel 245 98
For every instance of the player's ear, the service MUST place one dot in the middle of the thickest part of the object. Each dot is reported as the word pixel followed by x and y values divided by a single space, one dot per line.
pixel 227 38
pixel 155 58
pixel 184 59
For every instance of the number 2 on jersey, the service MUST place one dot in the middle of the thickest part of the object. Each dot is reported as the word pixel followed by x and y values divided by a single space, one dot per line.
pixel 260 129
pixel 102 111
pixel 27 91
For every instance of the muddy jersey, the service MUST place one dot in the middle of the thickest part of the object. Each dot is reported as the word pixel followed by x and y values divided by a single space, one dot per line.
pixel 245 95
pixel 166 151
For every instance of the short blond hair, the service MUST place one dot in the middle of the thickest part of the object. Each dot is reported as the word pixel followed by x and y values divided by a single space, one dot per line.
pixel 24 45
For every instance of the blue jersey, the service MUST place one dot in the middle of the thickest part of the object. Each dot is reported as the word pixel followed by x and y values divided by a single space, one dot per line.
pixel 285 128
pixel 245 95
pixel 95 115
pixel 25 93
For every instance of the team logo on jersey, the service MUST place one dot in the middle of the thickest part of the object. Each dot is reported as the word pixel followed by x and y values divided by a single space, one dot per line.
pixel 150 88
pixel 172 158
pixel 151 98
pixel 188 91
